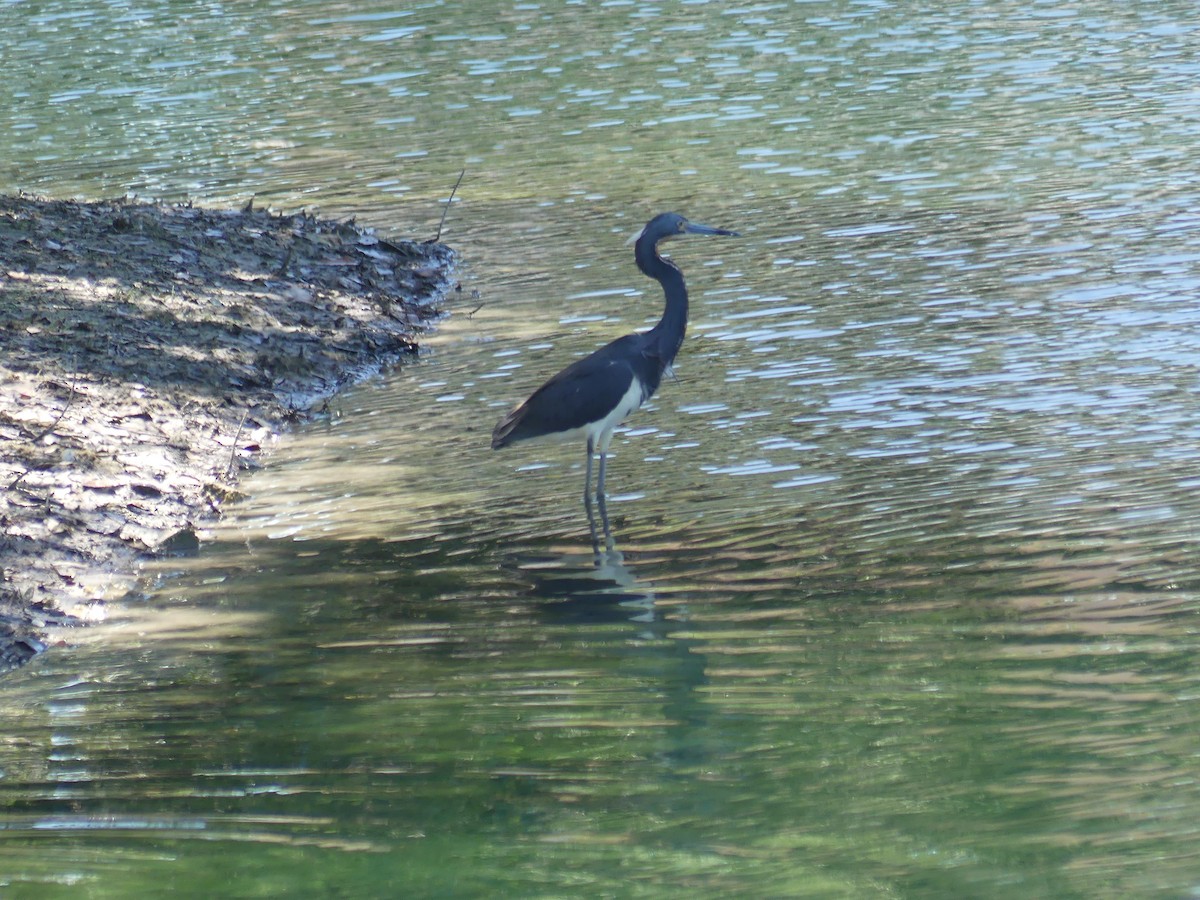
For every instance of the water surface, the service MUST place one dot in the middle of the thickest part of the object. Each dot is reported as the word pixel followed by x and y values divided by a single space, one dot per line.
pixel 907 596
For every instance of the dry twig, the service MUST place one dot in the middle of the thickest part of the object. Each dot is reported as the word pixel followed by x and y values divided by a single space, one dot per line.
pixel 449 200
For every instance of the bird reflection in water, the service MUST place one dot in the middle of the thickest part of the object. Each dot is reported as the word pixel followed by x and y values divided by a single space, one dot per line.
pixel 607 590
pixel 592 396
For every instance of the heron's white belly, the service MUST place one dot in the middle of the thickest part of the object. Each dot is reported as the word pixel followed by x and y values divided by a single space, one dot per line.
pixel 601 432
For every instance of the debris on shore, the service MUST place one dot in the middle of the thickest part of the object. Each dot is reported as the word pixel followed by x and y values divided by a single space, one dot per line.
pixel 148 353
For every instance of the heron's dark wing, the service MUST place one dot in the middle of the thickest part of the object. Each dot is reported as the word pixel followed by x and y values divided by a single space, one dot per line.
pixel 584 392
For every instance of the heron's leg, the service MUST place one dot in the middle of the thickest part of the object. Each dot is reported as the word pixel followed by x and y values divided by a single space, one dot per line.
pixel 587 494
pixel 602 499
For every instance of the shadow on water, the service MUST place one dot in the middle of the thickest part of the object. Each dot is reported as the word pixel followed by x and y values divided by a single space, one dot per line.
pixel 362 698
pixel 474 596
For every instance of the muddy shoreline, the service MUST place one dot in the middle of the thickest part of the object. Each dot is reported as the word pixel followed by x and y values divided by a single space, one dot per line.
pixel 148 355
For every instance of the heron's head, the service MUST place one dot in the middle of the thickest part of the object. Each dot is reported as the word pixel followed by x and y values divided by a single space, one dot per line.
pixel 669 225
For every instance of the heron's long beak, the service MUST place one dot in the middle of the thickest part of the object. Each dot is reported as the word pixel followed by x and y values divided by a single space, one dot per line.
pixel 693 228
pixel 688 228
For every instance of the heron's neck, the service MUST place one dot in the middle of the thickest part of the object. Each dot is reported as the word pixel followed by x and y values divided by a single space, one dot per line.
pixel 665 338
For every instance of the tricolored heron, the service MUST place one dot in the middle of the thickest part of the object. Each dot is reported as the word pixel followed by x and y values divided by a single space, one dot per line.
pixel 595 394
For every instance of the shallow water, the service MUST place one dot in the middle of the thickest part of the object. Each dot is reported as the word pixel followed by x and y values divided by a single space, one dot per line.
pixel 908 592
